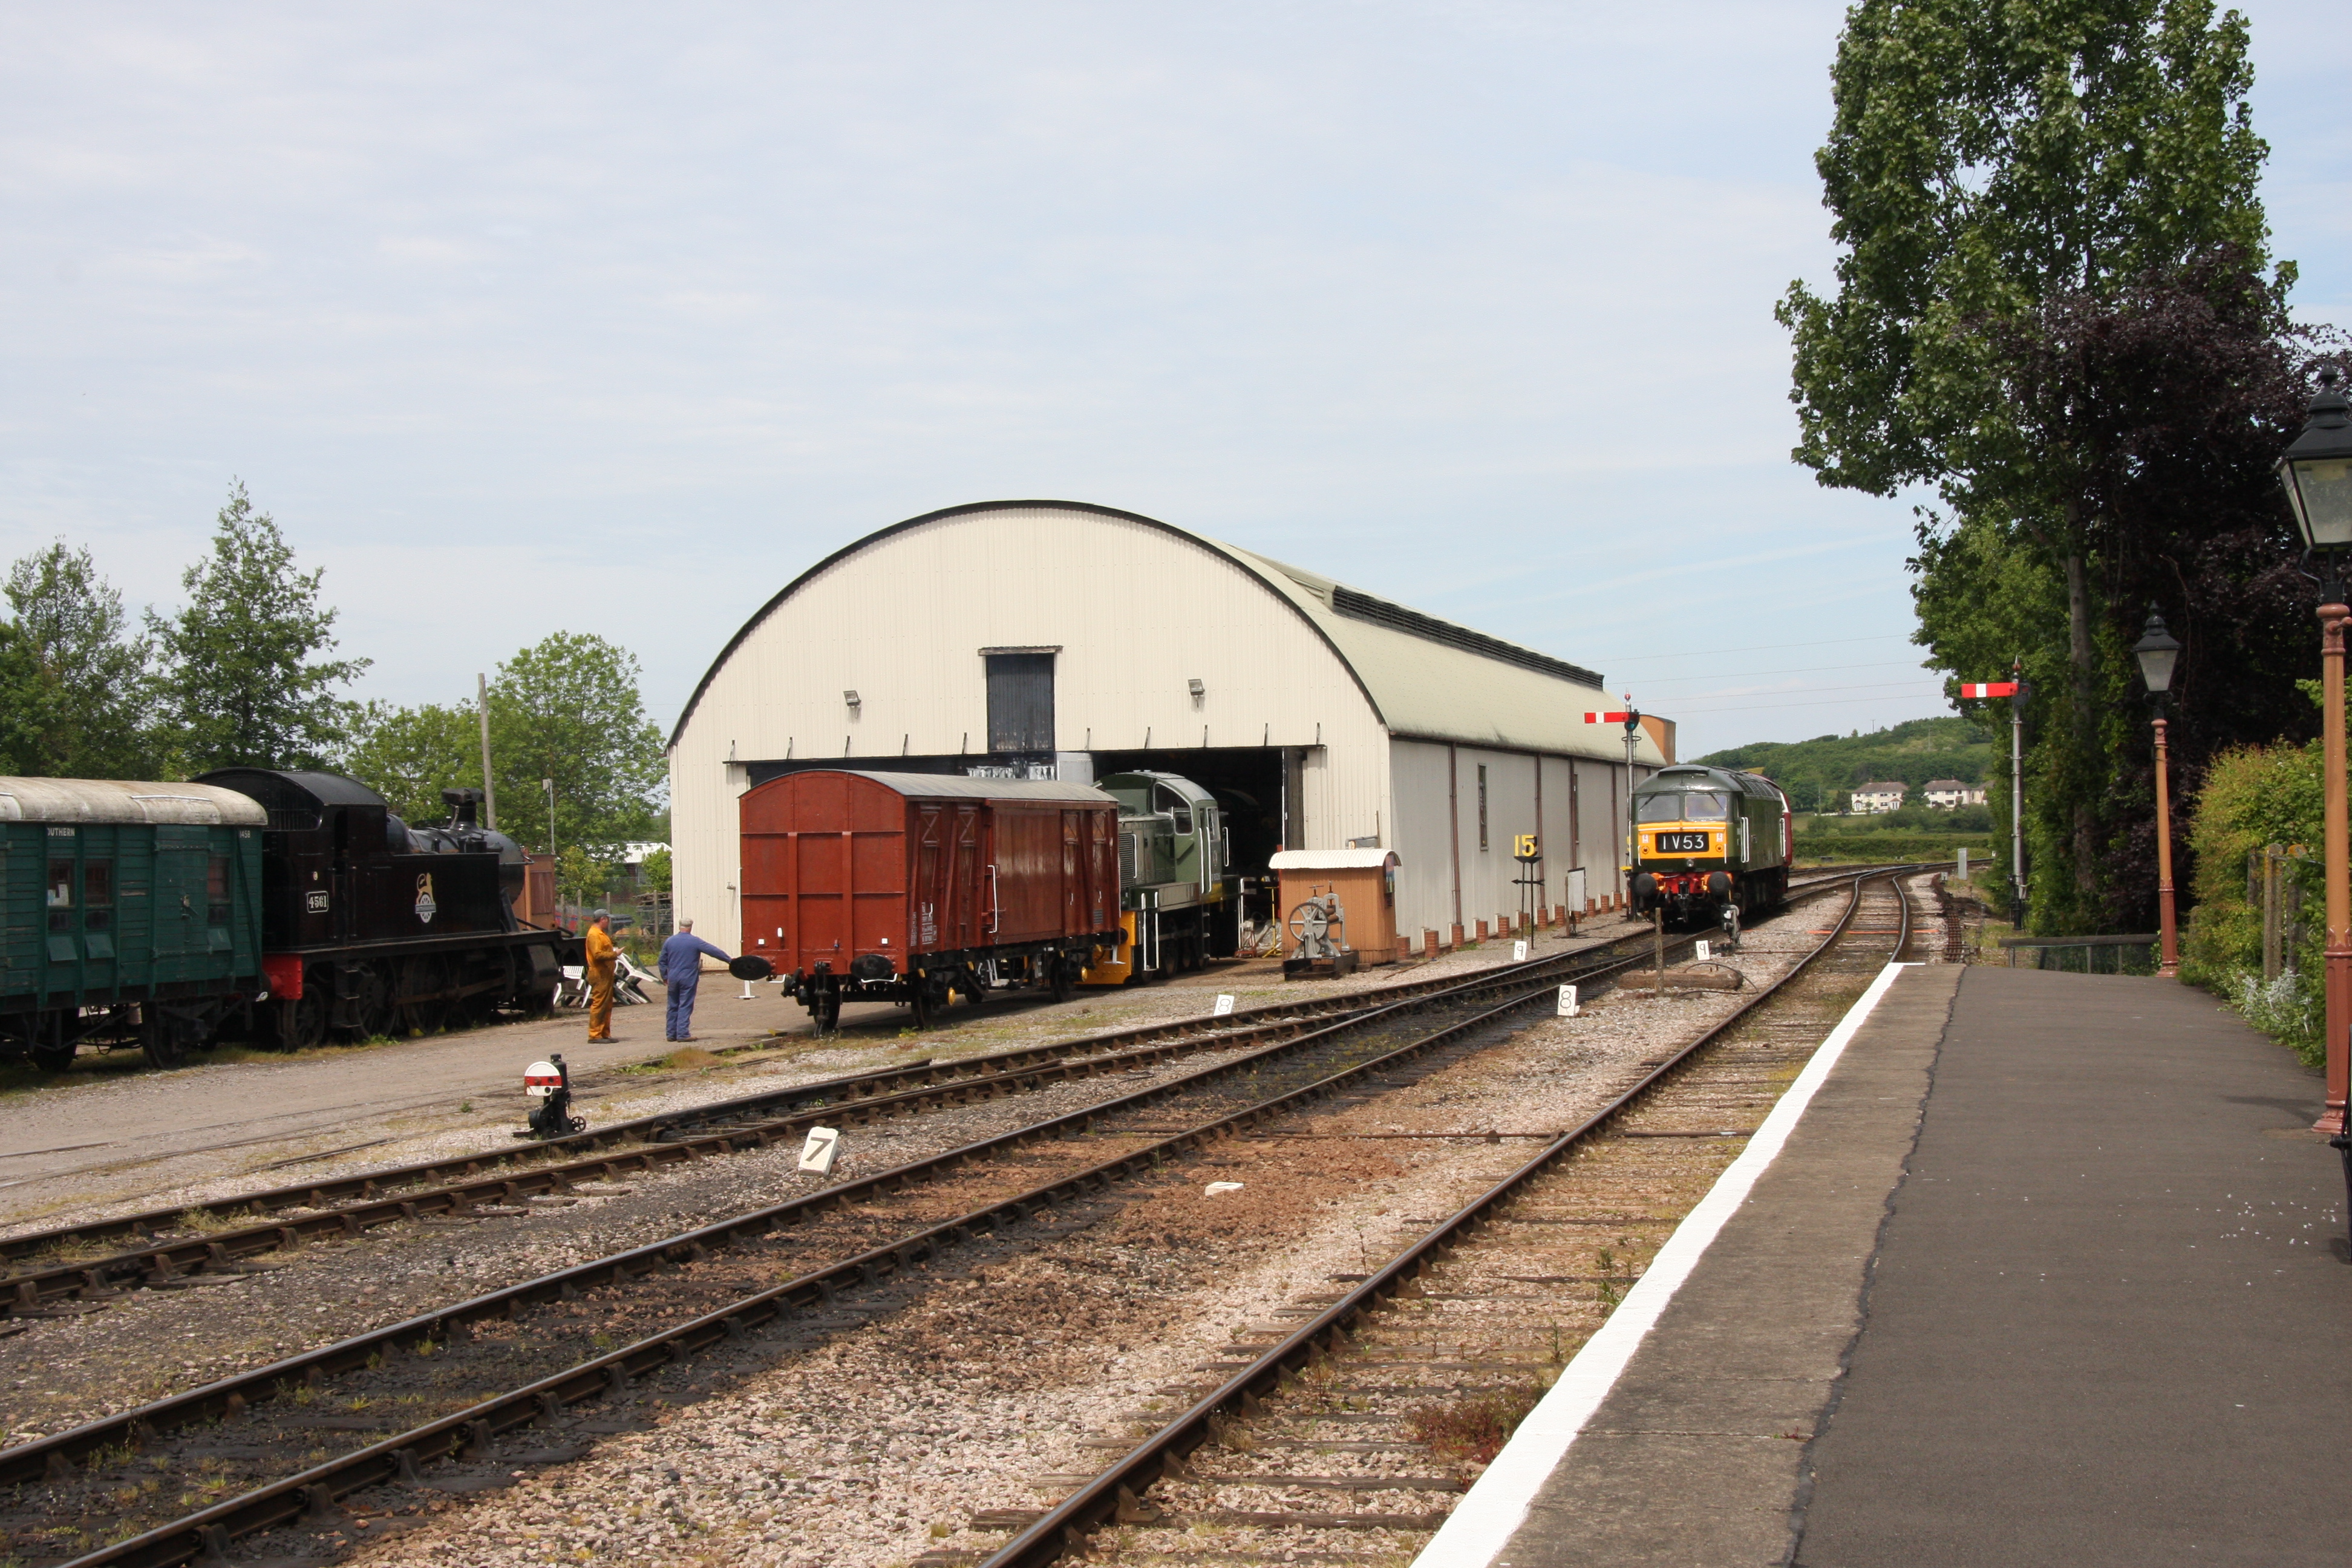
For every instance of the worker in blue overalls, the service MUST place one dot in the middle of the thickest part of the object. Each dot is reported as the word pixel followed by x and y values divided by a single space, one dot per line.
pixel 681 971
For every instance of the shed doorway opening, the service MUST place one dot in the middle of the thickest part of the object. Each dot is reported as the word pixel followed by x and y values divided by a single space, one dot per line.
pixel 1020 701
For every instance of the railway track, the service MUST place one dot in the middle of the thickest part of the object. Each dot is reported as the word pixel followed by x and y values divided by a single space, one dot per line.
pixel 1335 1431
pixel 39 1271
pixel 702 1290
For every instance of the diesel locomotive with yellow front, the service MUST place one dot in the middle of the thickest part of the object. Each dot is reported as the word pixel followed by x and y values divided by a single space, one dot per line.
pixel 1707 838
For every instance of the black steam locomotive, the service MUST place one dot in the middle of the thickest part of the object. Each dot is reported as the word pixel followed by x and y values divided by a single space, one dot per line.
pixel 283 906
pixel 371 925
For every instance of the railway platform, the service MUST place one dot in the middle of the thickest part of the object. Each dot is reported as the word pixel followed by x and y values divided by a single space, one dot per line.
pixel 2049 1269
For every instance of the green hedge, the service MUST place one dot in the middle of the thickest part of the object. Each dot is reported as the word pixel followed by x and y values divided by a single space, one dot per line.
pixel 2254 796
pixel 1818 848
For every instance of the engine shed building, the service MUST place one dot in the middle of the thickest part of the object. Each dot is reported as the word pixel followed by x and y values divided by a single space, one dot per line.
pixel 1057 639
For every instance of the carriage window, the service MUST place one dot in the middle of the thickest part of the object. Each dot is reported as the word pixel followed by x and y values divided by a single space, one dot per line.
pixel 216 891
pixel 96 894
pixel 62 895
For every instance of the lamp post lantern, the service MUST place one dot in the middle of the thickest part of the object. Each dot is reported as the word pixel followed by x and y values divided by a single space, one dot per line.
pixel 2317 473
pixel 2157 651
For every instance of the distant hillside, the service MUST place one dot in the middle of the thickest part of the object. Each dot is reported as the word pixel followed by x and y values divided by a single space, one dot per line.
pixel 1819 772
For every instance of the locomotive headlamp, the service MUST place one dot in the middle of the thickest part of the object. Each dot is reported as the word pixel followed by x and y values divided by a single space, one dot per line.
pixel 2157 651
pixel 2317 470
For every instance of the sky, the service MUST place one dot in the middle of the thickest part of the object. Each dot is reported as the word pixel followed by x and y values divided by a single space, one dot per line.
pixel 613 319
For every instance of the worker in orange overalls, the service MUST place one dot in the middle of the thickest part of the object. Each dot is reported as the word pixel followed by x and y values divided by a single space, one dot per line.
pixel 602 956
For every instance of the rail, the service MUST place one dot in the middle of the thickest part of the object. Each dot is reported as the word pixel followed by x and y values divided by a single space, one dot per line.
pixel 1114 1493
pixel 452 1186
pixel 206 1534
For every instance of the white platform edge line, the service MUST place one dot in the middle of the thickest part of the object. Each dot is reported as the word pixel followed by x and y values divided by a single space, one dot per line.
pixel 1491 1513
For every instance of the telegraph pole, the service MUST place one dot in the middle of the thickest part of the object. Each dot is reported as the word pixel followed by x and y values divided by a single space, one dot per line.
pixel 2017 793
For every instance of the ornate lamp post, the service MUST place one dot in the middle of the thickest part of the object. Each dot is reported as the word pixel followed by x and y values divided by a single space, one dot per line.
pixel 2317 473
pixel 2157 651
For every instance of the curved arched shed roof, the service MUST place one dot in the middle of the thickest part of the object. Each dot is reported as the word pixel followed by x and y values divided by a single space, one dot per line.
pixel 1424 677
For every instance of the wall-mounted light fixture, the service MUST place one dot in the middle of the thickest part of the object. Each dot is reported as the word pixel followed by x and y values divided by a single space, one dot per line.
pixel 850 697
pixel 1195 687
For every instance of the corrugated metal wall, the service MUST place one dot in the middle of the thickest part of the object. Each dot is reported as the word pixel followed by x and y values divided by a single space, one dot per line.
pixel 1136 611
pixel 1579 817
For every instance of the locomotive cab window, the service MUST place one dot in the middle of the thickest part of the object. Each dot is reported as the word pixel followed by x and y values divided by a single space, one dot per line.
pixel 1659 807
pixel 1177 806
pixel 1705 805
pixel 96 894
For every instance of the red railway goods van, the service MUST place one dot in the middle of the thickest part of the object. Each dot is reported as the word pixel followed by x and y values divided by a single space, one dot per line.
pixel 907 888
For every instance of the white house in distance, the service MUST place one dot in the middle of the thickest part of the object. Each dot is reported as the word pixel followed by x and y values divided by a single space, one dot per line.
pixel 1059 639
pixel 1950 795
pixel 1876 799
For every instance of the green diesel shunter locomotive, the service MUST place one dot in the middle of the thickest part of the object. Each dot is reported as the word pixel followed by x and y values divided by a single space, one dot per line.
pixel 133 912
pixel 1707 838
pixel 1175 898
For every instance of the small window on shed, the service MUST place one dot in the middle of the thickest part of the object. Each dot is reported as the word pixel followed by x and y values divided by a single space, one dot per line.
pixel 1019 702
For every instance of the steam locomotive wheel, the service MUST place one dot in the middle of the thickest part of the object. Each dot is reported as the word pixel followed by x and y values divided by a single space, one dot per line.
pixel 372 1003
pixel 424 981
pixel 305 1018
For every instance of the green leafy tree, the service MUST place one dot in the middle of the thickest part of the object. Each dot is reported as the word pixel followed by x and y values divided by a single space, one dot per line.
pixel 409 756
pixel 82 709
pixel 655 875
pixel 2034 201
pixel 30 705
pixel 240 675
pixel 569 709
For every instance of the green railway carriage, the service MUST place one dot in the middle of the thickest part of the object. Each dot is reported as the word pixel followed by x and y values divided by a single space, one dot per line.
pixel 1707 838
pixel 132 912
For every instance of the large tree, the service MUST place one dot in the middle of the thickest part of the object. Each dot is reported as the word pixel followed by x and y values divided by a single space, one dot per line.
pixel 2005 179
pixel 409 756
pixel 81 705
pixel 241 675
pixel 566 709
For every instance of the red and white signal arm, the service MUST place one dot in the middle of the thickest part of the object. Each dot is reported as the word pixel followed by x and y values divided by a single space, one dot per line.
pixel 540 1080
pixel 1988 688
pixel 1606 718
